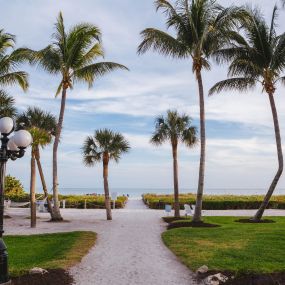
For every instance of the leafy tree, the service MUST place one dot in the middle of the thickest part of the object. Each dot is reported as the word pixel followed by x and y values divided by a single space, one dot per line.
pixel 42 126
pixel 13 187
pixel 71 55
pixel 104 146
pixel 200 28
pixel 257 58
pixel 7 105
pixel 174 128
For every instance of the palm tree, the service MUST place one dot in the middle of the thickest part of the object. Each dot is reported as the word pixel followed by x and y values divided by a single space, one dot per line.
pixel 71 55
pixel 9 62
pixel 7 105
pixel 174 128
pixel 104 146
pixel 257 58
pixel 201 27
pixel 42 126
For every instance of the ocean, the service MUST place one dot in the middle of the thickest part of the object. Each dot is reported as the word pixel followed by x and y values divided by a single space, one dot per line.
pixel 137 192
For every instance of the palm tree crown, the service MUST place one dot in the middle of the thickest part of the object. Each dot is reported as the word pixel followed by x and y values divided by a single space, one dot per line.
pixel 104 142
pixel 259 57
pixel 174 128
pixel 41 125
pixel 72 55
pixel 9 63
pixel 7 105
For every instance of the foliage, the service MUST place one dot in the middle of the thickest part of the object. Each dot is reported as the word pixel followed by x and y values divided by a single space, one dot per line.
pixel 235 247
pixel 50 251
pixel 214 202
pixel 13 187
pixel 7 105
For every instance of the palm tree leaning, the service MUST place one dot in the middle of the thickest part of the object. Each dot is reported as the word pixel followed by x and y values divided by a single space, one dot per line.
pixel 257 58
pixel 72 55
pixel 7 105
pixel 42 126
pixel 174 128
pixel 104 146
pixel 201 27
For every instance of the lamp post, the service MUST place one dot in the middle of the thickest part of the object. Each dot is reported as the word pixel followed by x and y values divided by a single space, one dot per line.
pixel 12 147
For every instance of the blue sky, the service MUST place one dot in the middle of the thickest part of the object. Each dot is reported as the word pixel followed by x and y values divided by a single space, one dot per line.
pixel 240 148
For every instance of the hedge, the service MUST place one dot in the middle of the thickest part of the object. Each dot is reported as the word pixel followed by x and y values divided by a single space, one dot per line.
pixel 214 202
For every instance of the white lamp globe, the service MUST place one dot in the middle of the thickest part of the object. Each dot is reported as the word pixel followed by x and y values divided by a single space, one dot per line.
pixel 22 138
pixel 6 125
pixel 11 145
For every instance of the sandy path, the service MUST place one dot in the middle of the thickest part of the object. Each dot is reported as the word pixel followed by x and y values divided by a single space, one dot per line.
pixel 129 251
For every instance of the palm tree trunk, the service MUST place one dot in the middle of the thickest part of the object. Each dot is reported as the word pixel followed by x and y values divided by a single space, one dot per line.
pixel 199 199
pixel 33 191
pixel 175 180
pixel 106 186
pixel 272 187
pixel 39 165
pixel 56 211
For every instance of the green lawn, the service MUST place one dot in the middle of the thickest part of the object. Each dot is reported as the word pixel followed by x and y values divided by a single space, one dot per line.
pixel 236 247
pixel 48 251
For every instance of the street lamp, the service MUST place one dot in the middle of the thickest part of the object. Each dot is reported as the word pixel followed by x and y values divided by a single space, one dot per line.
pixel 12 147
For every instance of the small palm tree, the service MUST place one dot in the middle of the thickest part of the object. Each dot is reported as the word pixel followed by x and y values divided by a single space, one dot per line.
pixel 201 27
pixel 42 126
pixel 72 55
pixel 9 73
pixel 104 146
pixel 7 105
pixel 174 128
pixel 257 58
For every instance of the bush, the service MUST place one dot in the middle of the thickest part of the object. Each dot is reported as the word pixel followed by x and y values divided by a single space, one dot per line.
pixel 214 202
pixel 13 188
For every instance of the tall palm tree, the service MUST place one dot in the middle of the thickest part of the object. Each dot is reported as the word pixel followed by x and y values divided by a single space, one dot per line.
pixel 42 126
pixel 174 128
pixel 72 55
pixel 201 27
pixel 104 146
pixel 7 105
pixel 9 62
pixel 257 58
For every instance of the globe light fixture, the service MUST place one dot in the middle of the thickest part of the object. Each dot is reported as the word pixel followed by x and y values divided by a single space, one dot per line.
pixel 11 148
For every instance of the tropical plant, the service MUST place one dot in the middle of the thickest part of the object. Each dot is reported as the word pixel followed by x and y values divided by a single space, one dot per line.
pixel 9 62
pixel 174 128
pixel 7 105
pixel 71 55
pixel 42 126
pixel 200 27
pixel 103 146
pixel 257 58
pixel 13 186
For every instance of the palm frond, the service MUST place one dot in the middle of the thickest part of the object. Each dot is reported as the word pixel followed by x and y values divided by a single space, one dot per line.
pixel 18 77
pixel 7 105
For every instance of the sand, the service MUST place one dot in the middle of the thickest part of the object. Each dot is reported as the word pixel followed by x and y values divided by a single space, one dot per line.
pixel 129 249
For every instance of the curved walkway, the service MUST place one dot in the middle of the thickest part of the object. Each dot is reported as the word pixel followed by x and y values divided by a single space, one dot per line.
pixel 129 251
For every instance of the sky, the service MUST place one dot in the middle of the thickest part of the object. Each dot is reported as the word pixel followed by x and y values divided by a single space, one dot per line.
pixel 241 152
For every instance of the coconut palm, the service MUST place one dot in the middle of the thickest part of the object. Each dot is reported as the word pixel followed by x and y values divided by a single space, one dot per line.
pixel 200 28
pixel 103 146
pixel 174 128
pixel 7 105
pixel 42 126
pixel 72 55
pixel 9 62
pixel 257 58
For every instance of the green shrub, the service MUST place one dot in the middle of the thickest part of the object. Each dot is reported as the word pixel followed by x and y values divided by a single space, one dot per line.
pixel 214 202
pixel 13 188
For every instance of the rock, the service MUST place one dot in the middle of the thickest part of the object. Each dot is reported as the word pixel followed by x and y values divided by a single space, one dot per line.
pixel 203 269
pixel 38 270
pixel 216 279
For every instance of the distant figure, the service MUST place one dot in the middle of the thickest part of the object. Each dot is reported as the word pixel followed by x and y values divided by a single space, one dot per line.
pixel 128 195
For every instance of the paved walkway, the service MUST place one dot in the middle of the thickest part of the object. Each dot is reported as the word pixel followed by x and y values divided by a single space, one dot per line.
pixel 129 251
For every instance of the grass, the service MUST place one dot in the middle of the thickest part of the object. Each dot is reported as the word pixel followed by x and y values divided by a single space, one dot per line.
pixel 214 202
pixel 237 247
pixel 49 251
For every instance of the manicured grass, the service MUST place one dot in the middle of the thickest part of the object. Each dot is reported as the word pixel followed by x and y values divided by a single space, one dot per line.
pixel 214 202
pixel 49 251
pixel 236 247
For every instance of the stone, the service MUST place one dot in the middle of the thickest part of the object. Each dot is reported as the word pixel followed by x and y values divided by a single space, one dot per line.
pixel 38 270
pixel 203 269
pixel 216 279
